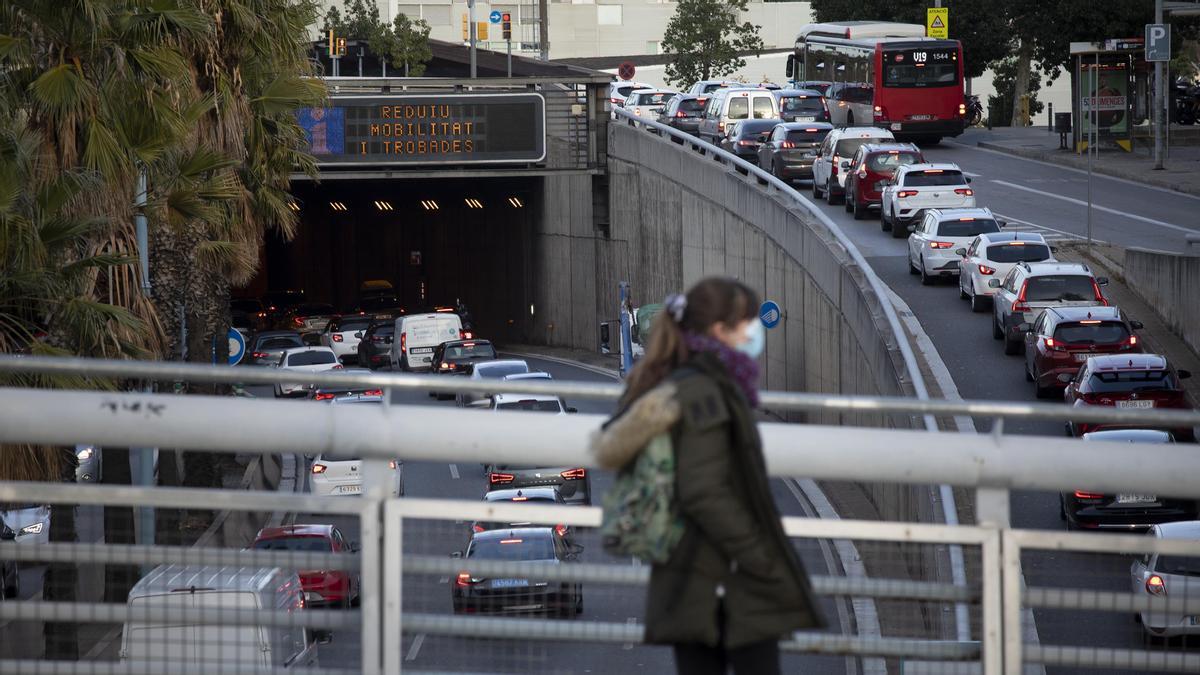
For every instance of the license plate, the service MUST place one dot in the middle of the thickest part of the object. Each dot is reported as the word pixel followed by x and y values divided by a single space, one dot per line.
pixel 509 583
pixel 421 350
pixel 921 118
pixel 806 119
pixel 1191 620
pixel 1136 499
pixel 349 489
pixel 895 126
pixel 1135 404
pixel 1080 358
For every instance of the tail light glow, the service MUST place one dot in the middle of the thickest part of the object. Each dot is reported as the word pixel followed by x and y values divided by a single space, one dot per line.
pixel 1083 494
pixel 1155 585
pixel 324 396
pixel 560 530
pixel 574 474
pixel 941 244
pixel 260 355
pixel 905 194
pixel 1133 341
pixel 373 392
pixel 337 366
pixel 465 579
pixel 1019 304
pixel 299 321
pixel 403 342
pixel 1051 343
pixel 512 541
pixel 984 269
pixel 1099 296
pixel 787 145
pixel 962 109
pixel 392 464
pixel 336 337
pixel 495 478
pixel 965 192
pixel 319 468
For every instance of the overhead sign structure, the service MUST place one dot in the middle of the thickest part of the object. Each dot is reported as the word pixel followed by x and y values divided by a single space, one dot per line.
pixel 1158 42
pixel 237 346
pixel 770 314
pixel 421 130
pixel 937 22
pixel 626 70
pixel 494 17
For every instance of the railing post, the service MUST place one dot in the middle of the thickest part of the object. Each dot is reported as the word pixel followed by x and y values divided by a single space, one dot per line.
pixel 371 588
pixel 992 512
pixel 393 575
pixel 1011 604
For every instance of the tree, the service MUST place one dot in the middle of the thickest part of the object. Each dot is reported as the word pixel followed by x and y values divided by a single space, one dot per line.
pixel 405 42
pixel 704 39
pixel 1003 103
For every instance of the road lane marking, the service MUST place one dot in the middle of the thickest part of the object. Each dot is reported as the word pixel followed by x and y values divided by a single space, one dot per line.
pixel 968 174
pixel 415 648
pixel 629 622
pixel 454 471
pixel 1027 223
pixel 1072 200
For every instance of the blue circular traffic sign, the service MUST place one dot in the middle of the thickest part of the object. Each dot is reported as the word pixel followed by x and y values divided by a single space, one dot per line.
pixel 494 17
pixel 237 346
pixel 770 314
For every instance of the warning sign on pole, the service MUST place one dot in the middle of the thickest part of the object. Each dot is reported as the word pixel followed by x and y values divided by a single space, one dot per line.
pixel 937 22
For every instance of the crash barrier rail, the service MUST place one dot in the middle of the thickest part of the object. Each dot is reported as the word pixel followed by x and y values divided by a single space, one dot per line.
pixel 992 464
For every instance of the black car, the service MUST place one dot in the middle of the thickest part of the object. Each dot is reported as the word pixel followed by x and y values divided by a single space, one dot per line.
pixel 1086 509
pixel 745 139
pixel 572 482
pixel 684 112
pixel 802 105
pixel 380 306
pixel 275 303
pixel 475 593
pixel 247 314
pixel 457 357
pixel 546 496
pixel 268 346
pixel 10 573
pixel 376 344
pixel 791 149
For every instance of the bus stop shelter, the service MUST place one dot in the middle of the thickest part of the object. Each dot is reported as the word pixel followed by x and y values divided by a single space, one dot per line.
pixel 1110 86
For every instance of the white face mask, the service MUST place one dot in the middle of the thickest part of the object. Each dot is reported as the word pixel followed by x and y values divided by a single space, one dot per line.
pixel 756 339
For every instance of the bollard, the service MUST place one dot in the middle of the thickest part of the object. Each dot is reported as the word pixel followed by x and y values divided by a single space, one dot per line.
pixel 1049 117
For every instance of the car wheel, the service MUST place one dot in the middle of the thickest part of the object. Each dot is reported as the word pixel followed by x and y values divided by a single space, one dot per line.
pixel 860 211
pixel 1013 347
pixel 962 293
pixel 579 600
pixel 912 267
pixel 816 190
pixel 899 230
pixel 883 221
pixel 830 196
pixel 978 302
pixel 847 202
pixel 926 280
pixel 1062 509
pixel 997 334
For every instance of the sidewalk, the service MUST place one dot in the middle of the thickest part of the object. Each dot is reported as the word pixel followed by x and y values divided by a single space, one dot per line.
pixel 1181 170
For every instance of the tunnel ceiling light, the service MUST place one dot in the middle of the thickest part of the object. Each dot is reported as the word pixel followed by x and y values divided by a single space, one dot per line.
pixel 384 206
pixel 338 206
pixel 516 202
pixel 473 203
pixel 430 205
pixel 293 206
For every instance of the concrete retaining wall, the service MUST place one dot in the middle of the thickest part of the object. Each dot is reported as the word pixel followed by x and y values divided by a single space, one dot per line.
pixel 1170 283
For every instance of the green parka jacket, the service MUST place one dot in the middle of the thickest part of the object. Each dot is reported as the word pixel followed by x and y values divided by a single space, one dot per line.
pixel 734 556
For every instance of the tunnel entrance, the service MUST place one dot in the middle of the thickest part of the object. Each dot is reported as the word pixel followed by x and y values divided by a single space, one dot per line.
pixel 437 241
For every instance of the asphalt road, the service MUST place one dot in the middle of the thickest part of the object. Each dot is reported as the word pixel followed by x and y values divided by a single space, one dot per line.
pixel 621 604
pixel 1013 187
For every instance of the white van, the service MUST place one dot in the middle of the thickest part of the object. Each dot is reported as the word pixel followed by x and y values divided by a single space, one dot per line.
pixel 241 647
pixel 417 335
pixel 727 107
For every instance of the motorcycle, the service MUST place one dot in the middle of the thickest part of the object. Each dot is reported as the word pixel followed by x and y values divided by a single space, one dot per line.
pixel 974 110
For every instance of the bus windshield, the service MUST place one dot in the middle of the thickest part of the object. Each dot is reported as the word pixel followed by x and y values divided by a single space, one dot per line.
pixel 919 67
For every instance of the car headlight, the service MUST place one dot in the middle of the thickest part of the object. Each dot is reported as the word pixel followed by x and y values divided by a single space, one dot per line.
pixel 35 528
pixel 84 454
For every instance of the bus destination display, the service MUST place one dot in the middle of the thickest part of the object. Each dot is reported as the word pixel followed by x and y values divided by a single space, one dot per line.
pixel 921 57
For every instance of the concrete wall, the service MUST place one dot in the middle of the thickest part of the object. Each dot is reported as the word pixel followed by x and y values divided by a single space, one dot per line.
pixel 1170 283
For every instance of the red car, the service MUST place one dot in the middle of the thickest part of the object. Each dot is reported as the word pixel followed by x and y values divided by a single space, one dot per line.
pixel 872 167
pixel 1126 381
pixel 1064 337
pixel 338 588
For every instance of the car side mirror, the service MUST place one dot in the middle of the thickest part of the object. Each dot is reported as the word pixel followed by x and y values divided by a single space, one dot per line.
pixel 322 637
pixel 845 164
pixel 968 179
pixel 480 403
pixel 354 547
pixel 1002 224
pixel 572 410
pixel 993 283
pixel 456 555
pixel 1136 325
pixel 575 549
pixel 358 335
pixel 1101 281
pixel 1025 328
pixel 960 251
pixel 1054 249
pixel 1183 374
pixel 1065 378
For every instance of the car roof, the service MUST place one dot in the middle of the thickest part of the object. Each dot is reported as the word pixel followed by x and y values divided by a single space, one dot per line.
pixel 302 530
pixel 798 92
pixel 1046 268
pixel 533 375
pixel 888 147
pixel 548 492
pixel 1129 436
pixel 1180 529
pixel 510 532
pixel 276 333
pixel 795 126
pixel 1102 312
pixel 957 214
pixel 509 398
pixel 307 348
pixel 473 341
pixel 172 578
pixel 931 166
pixel 1118 362
pixel 863 132
pixel 652 90
pixel 500 362
pixel 1010 235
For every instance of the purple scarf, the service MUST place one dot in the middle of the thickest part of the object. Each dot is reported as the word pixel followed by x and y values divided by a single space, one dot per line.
pixel 742 368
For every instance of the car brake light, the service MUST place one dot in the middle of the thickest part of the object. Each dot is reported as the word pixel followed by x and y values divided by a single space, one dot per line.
pixel 403 342
pixel 495 478
pixel 392 464
pixel 373 392
pixel 787 145
pixel 962 109
pixel 465 579
pixel 298 321
pixel 1155 585
pixel 833 170
pixel 260 355
pixel 1090 322
pixel 984 269
pixel 940 244
pixel 511 541
pixel 574 474
pixel 720 127
pixel 680 113
pixel 324 397
pixel 319 468
pixel 904 194
pixel 337 366
pixel 447 366
pixel 477 527
pixel 1019 304
pixel 966 192
pixel 520 499
pixel 1051 343
pixel 1081 494
pixel 746 143
pixel 560 530
pixel 1133 340
pixel 1099 296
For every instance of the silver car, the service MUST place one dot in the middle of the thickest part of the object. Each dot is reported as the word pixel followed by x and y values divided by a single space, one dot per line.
pixel 1165 576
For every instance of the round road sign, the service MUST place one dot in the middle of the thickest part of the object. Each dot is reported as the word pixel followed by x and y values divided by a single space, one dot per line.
pixel 237 346
pixel 494 17
pixel 626 71
pixel 770 314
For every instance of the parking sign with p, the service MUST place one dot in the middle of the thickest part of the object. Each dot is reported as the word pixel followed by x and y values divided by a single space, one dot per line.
pixel 1158 42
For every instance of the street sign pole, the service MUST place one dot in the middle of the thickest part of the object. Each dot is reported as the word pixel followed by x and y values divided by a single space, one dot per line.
pixel 1159 90
pixel 471 18
pixel 508 47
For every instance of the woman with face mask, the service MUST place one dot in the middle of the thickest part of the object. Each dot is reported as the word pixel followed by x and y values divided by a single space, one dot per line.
pixel 733 585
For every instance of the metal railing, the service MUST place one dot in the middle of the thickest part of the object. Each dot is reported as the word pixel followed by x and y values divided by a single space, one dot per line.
pixel 991 464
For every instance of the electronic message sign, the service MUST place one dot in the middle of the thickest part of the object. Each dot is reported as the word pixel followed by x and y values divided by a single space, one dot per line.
pixel 420 130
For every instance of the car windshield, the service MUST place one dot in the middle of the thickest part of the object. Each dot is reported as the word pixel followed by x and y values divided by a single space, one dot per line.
pixel 1109 382
pixel 802 136
pixel 967 228
pixel 755 129
pixel 739 108
pixel 515 548
pixel 379 302
pixel 801 104
pixel 691 105
pixel 1183 565
pixel 495 372
pixel 280 343
pixel 293 544
pixel 340 457
pixel 385 329
pixel 535 405
pixel 933 177
pixel 470 351
pixel 1013 253
pixel 848 146
pixel 350 324
pixel 653 99
pixel 313 358
pixel 1060 287
pixel 1103 333
pixel 887 162
pixel 624 91
pixel 314 309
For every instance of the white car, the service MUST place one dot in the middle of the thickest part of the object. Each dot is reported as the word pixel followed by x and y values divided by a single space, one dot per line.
pixel 619 91
pixel 918 187
pixel 648 103
pixel 530 403
pixel 991 256
pixel 339 474
pixel 343 334
pixel 934 244
pixel 490 370
pixel 30 522
pixel 304 360
pixel 832 163
pixel 1163 576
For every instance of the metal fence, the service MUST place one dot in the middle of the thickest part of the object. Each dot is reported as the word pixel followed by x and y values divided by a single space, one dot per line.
pixel 879 610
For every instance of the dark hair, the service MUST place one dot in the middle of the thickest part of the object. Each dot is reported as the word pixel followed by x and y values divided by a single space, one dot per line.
pixel 712 300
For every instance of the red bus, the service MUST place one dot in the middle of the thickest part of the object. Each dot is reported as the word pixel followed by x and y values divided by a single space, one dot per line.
pixel 885 75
